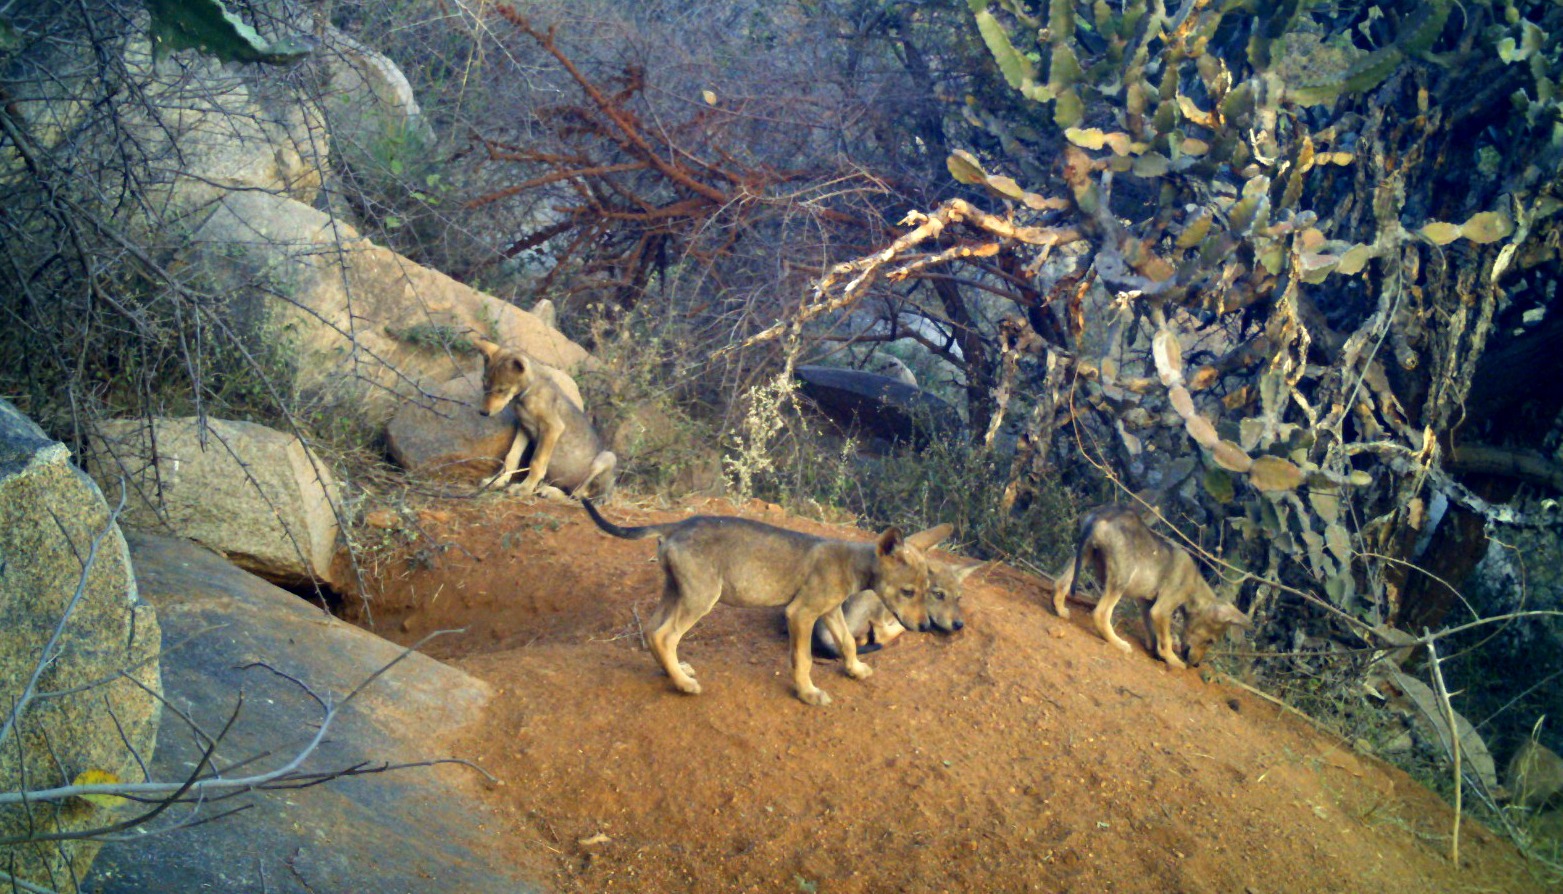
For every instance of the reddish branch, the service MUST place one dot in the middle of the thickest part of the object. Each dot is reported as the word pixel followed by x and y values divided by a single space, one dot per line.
pixel 653 197
pixel 633 141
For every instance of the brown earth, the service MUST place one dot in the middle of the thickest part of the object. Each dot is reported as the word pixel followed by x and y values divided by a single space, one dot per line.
pixel 1023 754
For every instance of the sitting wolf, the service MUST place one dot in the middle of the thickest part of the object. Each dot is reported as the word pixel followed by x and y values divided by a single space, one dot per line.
pixel 565 450
pixel 1132 560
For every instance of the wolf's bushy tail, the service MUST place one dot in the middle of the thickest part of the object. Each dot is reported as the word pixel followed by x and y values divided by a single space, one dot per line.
pixel 617 531
pixel 1087 528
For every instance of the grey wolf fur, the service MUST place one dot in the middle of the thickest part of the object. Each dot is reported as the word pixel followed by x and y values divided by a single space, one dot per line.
pixel 873 626
pixel 1131 560
pixel 566 452
pixel 709 559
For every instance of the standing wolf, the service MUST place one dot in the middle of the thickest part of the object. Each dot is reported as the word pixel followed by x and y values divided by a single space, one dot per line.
pixel 1132 560
pixel 708 559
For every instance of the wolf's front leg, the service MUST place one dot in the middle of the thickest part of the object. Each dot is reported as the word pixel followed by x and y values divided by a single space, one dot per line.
pixel 1158 626
pixel 1103 616
pixel 546 441
pixel 512 461
pixel 800 627
pixel 836 623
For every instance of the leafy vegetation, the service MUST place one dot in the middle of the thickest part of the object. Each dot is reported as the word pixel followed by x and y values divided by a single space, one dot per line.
pixel 1284 273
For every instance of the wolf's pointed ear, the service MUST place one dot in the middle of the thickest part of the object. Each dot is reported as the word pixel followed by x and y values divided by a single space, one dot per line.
pixel 487 348
pixel 966 571
pixel 890 541
pixel 519 363
pixel 1227 613
pixel 926 539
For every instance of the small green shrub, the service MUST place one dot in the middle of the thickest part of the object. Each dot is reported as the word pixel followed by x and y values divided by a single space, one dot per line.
pixel 435 337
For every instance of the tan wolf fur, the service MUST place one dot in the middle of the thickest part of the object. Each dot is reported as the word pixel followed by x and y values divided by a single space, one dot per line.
pixel 708 559
pixel 1132 560
pixel 873 626
pixel 566 451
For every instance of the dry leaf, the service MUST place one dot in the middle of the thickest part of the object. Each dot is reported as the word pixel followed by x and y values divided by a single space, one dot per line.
pixel 98 777
pixel 964 167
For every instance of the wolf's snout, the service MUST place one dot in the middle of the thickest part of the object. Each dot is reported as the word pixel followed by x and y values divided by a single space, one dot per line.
pixel 483 411
pixel 959 625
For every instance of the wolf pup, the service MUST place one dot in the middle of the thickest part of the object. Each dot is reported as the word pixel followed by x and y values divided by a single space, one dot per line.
pixel 1132 560
pixel 709 559
pixel 873 626
pixel 566 451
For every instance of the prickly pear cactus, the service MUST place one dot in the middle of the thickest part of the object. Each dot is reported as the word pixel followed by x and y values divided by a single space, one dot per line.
pixel 1279 275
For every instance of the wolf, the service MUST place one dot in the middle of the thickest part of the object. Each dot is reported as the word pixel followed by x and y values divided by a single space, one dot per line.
pixel 566 452
pixel 1132 560
pixel 708 559
pixel 873 626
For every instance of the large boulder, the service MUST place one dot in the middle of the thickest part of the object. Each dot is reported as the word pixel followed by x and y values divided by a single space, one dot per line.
pixel 65 572
pixel 362 328
pixel 422 829
pixel 369 105
pixel 883 407
pixel 251 492
pixel 445 437
pixel 1535 776
pixel 193 128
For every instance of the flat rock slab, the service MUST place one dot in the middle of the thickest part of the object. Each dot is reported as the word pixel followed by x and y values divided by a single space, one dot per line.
pixel 412 830
pixel 880 405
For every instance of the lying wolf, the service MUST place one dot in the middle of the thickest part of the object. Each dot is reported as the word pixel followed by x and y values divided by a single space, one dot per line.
pixel 566 452
pixel 873 626
pixel 1131 560
pixel 709 559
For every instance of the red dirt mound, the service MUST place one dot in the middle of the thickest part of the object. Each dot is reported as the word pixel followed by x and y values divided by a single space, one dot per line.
pixel 1023 754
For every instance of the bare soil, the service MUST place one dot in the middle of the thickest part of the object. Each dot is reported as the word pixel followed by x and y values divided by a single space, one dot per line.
pixel 1022 754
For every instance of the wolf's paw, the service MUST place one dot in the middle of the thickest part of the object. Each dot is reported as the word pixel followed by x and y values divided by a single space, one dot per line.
pixel 860 671
pixel 689 687
pixel 492 480
pixel 553 494
pixel 525 488
pixel 819 698
pixel 687 668
pixel 1174 661
pixel 1124 647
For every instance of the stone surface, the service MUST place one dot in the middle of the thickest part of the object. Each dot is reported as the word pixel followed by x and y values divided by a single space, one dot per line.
pixel 195 127
pixel 446 438
pixel 413 830
pixel 369 106
pixel 53 524
pixel 1535 776
pixel 891 366
pixel 253 493
pixel 878 405
pixel 360 325
pixel 544 310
